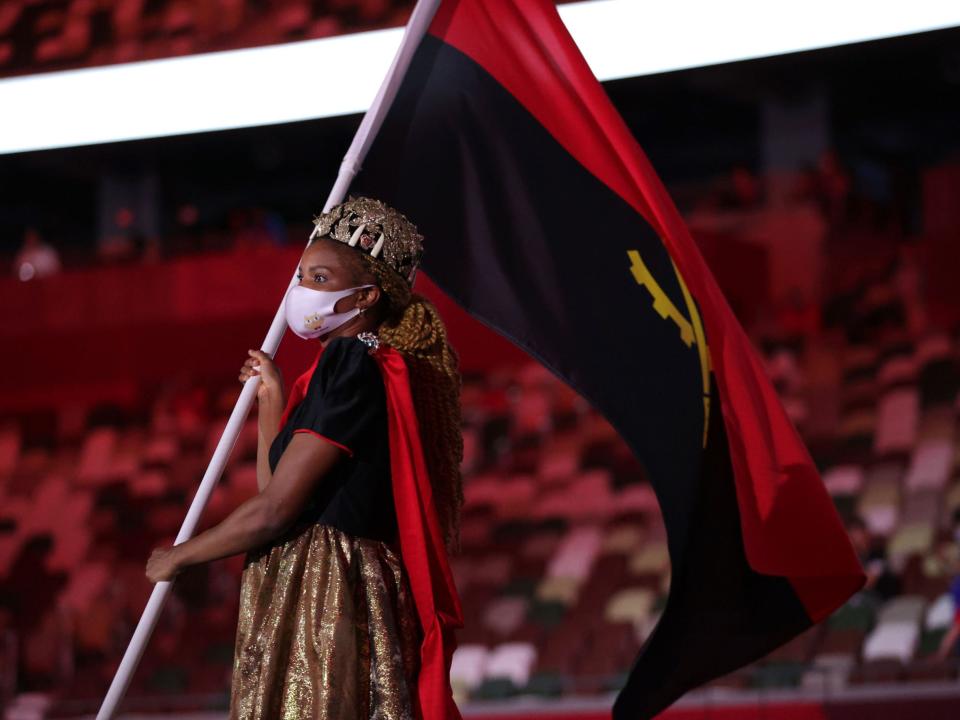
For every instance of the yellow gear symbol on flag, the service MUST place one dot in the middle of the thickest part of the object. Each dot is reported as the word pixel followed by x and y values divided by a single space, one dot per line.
pixel 691 330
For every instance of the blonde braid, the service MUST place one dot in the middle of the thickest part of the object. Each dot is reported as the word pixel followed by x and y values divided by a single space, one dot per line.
pixel 414 327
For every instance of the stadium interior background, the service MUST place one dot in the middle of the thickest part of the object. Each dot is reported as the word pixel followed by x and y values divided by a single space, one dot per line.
pixel 822 189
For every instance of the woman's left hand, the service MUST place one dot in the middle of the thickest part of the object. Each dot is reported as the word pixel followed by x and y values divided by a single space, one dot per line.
pixel 163 564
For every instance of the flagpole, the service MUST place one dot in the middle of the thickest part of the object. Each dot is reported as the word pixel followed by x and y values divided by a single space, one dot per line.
pixel 416 28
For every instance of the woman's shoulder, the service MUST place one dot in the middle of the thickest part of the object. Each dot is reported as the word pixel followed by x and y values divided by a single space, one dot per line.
pixel 346 399
pixel 344 361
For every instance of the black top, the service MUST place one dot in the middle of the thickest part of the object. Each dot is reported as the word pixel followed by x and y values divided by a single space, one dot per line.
pixel 345 402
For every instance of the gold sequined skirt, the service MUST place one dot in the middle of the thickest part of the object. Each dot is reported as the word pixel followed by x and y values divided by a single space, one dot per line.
pixel 327 629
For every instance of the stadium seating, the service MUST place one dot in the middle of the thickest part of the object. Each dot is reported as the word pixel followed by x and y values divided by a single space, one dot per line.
pixel 564 569
pixel 42 35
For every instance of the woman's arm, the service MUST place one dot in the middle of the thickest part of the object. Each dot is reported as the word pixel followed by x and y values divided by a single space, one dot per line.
pixel 270 411
pixel 270 402
pixel 305 461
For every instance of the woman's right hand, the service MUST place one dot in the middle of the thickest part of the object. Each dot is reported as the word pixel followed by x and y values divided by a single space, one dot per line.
pixel 271 381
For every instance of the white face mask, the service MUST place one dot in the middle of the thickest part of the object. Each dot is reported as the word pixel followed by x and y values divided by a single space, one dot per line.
pixel 310 312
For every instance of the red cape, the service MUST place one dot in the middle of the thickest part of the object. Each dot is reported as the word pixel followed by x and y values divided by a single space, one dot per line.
pixel 421 541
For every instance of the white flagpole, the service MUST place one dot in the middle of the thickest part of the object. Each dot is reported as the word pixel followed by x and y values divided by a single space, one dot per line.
pixel 372 120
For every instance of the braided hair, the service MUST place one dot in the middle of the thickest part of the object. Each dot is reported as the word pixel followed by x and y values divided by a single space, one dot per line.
pixel 411 324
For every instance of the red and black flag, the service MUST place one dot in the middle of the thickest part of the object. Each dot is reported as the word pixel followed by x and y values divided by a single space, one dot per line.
pixel 546 221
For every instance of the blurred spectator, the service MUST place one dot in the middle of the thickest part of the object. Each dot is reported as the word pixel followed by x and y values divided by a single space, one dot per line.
pixel 740 190
pixel 949 642
pixel 785 372
pixel 187 215
pixel 746 188
pixel 120 245
pixel 798 320
pixel 881 583
pixel 787 376
pixel 833 188
pixel 909 283
pixel 36 258
pixel 186 232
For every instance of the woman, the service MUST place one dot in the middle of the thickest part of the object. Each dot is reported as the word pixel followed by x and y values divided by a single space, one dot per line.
pixel 347 602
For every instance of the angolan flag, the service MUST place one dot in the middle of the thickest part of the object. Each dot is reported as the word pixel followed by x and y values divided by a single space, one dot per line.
pixel 544 219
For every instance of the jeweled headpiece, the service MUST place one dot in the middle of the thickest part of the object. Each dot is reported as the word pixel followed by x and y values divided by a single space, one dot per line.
pixel 376 229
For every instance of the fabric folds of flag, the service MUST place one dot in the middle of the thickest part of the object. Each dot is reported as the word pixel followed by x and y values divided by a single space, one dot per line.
pixel 544 219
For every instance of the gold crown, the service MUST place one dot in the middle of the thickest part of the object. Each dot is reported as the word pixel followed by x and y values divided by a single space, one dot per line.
pixel 374 228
